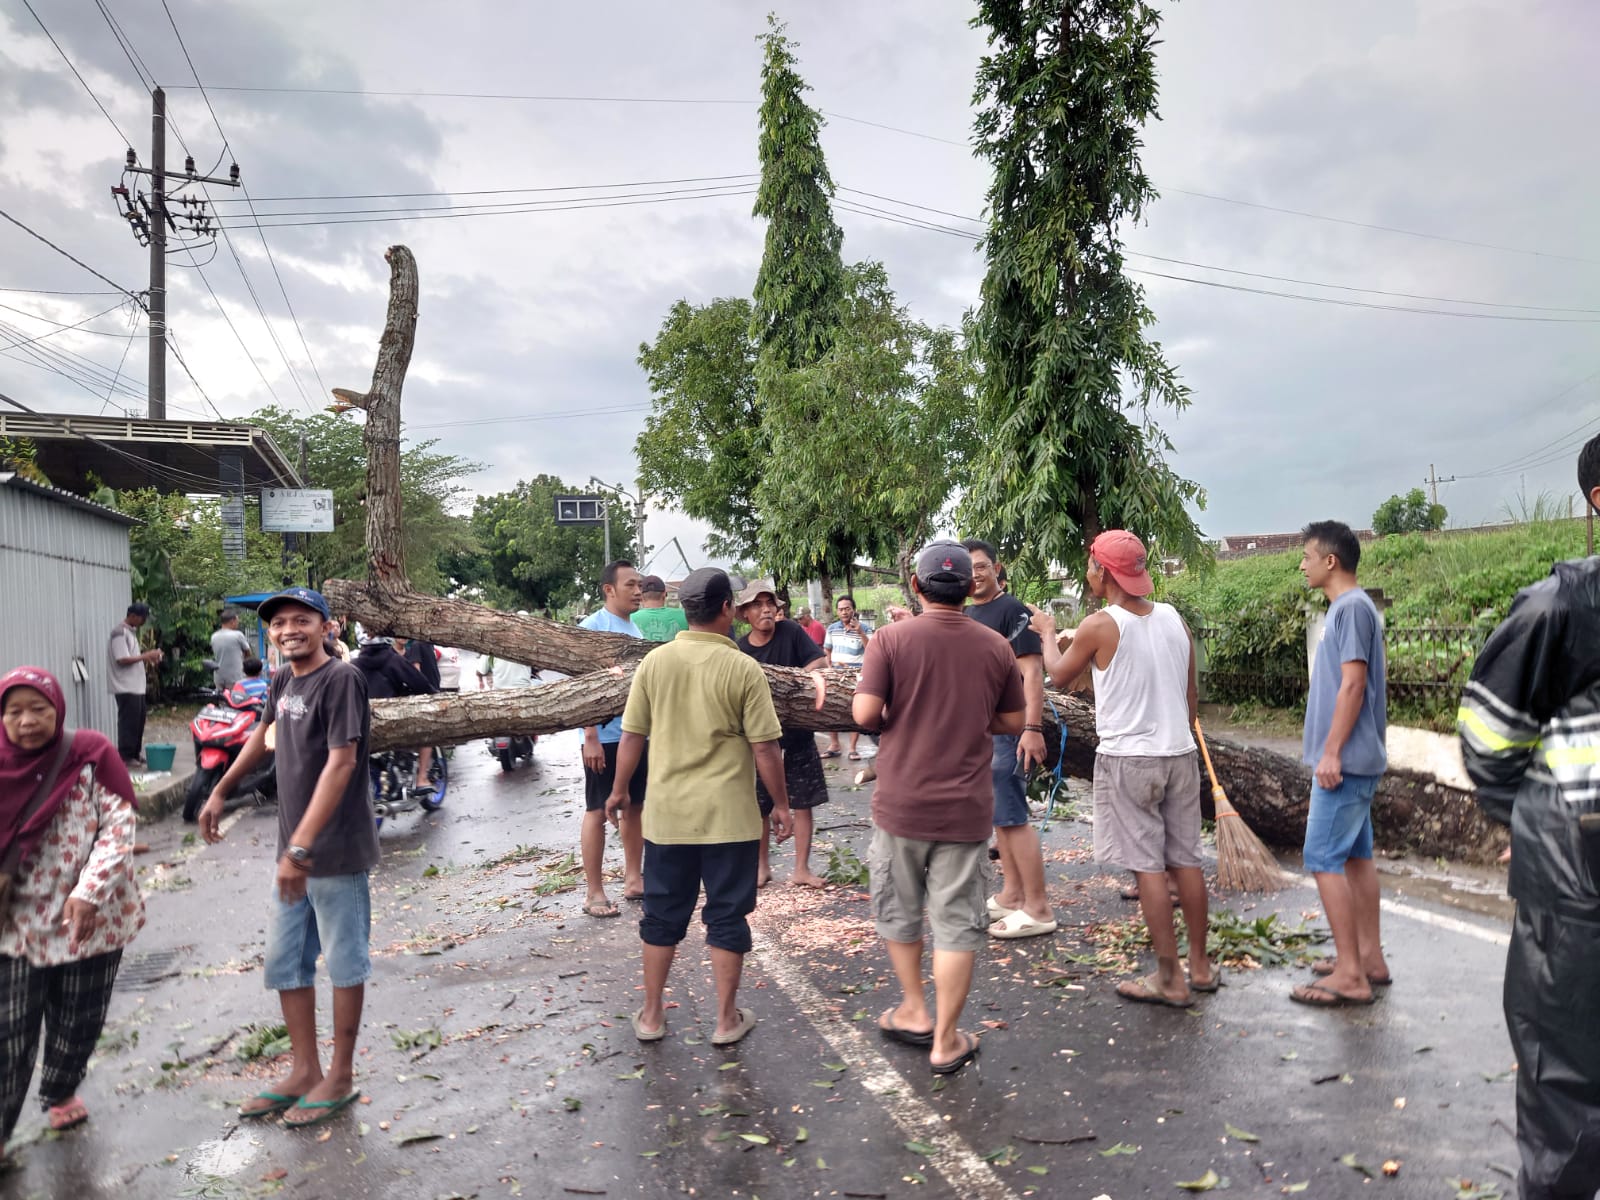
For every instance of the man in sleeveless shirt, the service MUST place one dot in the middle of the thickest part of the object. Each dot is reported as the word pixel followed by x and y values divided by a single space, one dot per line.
pixel 1146 769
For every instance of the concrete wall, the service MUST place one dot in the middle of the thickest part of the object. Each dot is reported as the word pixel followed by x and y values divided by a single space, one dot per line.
pixel 64 582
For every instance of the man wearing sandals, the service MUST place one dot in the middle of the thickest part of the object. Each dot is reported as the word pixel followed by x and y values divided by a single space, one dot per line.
pixel 1346 723
pixel 937 686
pixel 317 712
pixel 1146 767
pixel 844 644
pixel 707 711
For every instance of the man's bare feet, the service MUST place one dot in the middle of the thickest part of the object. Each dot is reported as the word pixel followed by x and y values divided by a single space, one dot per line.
pixel 806 877
pixel 763 877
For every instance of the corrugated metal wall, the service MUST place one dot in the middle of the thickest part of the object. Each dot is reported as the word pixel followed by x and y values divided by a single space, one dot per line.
pixel 64 583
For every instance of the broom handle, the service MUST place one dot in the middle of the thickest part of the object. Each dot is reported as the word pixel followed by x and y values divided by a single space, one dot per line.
pixel 1205 753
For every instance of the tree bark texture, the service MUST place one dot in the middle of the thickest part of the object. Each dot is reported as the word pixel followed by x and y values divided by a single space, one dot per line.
pixel 386 564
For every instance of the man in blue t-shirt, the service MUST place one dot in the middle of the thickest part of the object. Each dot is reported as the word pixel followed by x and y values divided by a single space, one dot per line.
pixel 619 584
pixel 1346 723
pixel 845 645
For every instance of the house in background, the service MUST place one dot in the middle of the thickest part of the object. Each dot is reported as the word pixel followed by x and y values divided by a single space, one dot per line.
pixel 64 584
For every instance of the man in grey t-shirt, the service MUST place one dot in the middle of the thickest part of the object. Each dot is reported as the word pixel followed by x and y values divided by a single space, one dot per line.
pixel 229 647
pixel 327 842
pixel 1346 722
pixel 125 663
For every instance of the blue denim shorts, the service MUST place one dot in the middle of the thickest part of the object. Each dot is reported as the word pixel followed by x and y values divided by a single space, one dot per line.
pixel 333 919
pixel 1010 789
pixel 1339 825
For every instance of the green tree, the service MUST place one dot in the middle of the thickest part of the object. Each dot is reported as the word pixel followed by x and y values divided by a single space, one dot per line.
pixel 698 448
pixel 429 481
pixel 1410 513
pixel 1070 443
pixel 873 477
pixel 527 560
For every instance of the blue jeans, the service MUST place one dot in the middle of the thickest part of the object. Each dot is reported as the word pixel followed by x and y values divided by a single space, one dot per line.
pixel 334 919
pixel 1010 788
pixel 1339 825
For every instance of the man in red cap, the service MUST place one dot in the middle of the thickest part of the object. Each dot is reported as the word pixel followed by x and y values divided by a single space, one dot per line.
pixel 1146 769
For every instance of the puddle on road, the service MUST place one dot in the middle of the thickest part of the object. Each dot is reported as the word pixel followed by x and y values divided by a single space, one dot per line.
pixel 222 1156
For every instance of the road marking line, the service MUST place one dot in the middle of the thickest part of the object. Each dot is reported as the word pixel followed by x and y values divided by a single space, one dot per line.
pixel 1425 917
pixel 962 1169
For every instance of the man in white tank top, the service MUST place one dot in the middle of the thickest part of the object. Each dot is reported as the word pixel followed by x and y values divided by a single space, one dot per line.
pixel 1146 770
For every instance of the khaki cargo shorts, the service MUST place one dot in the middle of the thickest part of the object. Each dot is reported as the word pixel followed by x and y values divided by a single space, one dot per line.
pixel 949 879
pixel 1147 811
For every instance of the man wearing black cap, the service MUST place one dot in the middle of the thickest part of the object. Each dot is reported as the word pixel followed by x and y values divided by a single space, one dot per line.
pixel 327 843
pixel 125 676
pixel 707 712
pixel 937 686
pixel 654 619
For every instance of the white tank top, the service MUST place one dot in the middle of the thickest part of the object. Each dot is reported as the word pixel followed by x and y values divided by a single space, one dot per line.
pixel 1141 700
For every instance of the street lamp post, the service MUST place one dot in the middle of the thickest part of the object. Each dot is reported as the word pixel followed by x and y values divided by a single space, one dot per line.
pixel 638 503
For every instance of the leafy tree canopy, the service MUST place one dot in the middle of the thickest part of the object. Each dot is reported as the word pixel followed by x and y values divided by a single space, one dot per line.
pixel 1069 441
pixel 1410 513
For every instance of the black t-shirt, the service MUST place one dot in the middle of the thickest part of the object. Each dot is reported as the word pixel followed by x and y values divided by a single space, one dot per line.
pixel 313 713
pixel 1009 617
pixel 425 658
pixel 789 646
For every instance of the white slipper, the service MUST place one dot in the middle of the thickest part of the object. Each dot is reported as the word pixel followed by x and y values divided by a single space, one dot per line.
pixel 998 911
pixel 1020 925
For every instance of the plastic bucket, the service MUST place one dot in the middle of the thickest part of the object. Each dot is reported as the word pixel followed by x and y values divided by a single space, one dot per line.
pixel 158 755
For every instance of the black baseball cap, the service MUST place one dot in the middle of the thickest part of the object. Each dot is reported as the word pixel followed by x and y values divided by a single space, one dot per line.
pixel 138 609
pixel 653 583
pixel 295 595
pixel 707 587
pixel 944 562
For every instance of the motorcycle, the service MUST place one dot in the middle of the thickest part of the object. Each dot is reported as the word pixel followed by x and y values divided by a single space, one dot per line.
pixel 509 747
pixel 220 731
pixel 394 786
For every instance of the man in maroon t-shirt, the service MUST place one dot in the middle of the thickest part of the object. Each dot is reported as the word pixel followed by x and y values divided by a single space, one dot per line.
pixel 937 687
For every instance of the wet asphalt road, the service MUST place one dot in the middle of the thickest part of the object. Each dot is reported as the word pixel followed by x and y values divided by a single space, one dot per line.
pixel 536 1086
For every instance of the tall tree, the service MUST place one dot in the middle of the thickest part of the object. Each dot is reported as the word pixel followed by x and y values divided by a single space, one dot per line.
pixel 1069 376
pixel 699 445
pixel 430 485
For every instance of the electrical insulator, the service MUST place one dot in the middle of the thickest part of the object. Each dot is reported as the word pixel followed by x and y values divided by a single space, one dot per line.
pixel 133 159
pixel 233 172
pixel 188 164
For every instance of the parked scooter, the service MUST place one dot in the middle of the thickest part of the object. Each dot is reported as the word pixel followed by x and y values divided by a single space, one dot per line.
pixel 509 747
pixel 220 731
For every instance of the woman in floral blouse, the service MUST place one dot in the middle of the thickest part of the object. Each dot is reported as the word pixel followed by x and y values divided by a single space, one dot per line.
pixel 74 902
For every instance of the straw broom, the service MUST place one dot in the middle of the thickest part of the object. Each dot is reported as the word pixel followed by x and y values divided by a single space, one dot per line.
pixel 1244 864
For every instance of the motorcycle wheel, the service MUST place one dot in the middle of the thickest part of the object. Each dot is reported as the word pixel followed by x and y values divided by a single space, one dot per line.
pixel 439 777
pixel 200 785
pixel 507 760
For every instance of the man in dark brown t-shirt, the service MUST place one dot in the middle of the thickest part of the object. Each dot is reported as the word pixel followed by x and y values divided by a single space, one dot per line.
pixel 936 687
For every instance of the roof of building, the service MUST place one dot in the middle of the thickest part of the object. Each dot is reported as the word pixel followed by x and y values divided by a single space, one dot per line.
pixel 11 479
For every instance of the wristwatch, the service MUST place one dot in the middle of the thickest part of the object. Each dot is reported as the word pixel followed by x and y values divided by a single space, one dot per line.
pixel 299 856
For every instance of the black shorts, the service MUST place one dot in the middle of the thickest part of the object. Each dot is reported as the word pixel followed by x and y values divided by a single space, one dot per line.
pixel 597 784
pixel 802 775
pixel 673 877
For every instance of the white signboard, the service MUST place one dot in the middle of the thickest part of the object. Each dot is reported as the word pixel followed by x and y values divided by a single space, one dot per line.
pixel 289 510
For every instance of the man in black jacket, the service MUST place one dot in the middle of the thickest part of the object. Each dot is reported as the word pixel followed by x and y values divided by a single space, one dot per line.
pixel 389 675
pixel 1530 736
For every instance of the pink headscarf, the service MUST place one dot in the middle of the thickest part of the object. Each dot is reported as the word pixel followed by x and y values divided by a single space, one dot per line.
pixel 22 770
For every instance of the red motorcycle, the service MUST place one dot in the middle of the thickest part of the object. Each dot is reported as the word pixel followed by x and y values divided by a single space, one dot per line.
pixel 220 732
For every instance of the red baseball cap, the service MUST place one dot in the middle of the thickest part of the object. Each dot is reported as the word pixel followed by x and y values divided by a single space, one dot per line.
pixel 1119 552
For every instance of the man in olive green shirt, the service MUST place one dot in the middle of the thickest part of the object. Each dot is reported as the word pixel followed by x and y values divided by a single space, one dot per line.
pixel 707 712
pixel 654 619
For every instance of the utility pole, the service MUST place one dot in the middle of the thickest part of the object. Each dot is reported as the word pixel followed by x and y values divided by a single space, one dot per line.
pixel 638 503
pixel 150 220
pixel 1433 481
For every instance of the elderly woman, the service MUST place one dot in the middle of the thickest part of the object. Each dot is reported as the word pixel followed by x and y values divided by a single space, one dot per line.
pixel 66 842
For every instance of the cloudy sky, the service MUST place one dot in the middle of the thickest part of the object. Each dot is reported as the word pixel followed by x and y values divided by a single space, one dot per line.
pixel 1460 132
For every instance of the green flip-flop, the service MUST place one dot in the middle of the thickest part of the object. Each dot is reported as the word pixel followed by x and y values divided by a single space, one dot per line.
pixel 326 1110
pixel 279 1103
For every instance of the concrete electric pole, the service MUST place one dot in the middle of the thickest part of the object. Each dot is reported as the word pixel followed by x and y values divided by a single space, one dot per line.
pixel 1433 481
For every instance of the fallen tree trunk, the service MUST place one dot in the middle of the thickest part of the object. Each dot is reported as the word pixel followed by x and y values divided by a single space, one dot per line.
pixel 1412 813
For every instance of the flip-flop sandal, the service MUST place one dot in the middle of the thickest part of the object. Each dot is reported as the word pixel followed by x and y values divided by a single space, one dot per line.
pixel 854 756
pixel 1143 991
pixel 1323 967
pixel 997 911
pixel 906 1037
pixel 601 910
pixel 955 1064
pixel 326 1110
pixel 279 1102
pixel 747 1022
pixel 1208 988
pixel 830 754
pixel 1020 925
pixel 633 897
pixel 1308 993
pixel 72 1114
pixel 646 1035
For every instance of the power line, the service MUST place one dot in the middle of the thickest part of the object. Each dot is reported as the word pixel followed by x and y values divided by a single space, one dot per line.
pixel 59 327
pixel 47 292
pixel 172 341
pixel 237 336
pixel 86 372
pixel 133 331
pixel 70 257
pixel 147 79
pixel 555 416
pixel 571 187
pixel 126 140
pixel 1512 465
pixel 515 205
